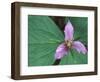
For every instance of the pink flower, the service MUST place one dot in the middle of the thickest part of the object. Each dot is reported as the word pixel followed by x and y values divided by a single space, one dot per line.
pixel 69 43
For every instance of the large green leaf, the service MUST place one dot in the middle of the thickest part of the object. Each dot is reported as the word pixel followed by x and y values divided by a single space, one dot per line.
pixel 43 38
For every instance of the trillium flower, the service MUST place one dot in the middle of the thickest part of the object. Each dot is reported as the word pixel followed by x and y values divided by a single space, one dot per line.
pixel 69 43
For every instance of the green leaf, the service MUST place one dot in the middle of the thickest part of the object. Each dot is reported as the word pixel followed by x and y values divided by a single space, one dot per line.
pixel 43 38
pixel 73 57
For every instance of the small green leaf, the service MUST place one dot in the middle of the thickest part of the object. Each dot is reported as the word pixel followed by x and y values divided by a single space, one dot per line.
pixel 73 57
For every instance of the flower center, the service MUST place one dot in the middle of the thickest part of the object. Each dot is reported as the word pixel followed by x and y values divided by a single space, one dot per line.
pixel 68 43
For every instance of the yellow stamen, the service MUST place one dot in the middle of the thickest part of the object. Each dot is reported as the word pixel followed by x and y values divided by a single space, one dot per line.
pixel 68 43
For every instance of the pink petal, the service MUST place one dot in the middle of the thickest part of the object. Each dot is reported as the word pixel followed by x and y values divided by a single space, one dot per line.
pixel 69 31
pixel 79 47
pixel 60 51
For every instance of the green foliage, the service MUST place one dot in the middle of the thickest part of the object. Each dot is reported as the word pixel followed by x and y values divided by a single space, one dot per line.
pixel 44 36
pixel 73 57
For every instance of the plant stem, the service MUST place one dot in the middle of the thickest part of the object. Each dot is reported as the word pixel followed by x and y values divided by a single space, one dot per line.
pixel 56 62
